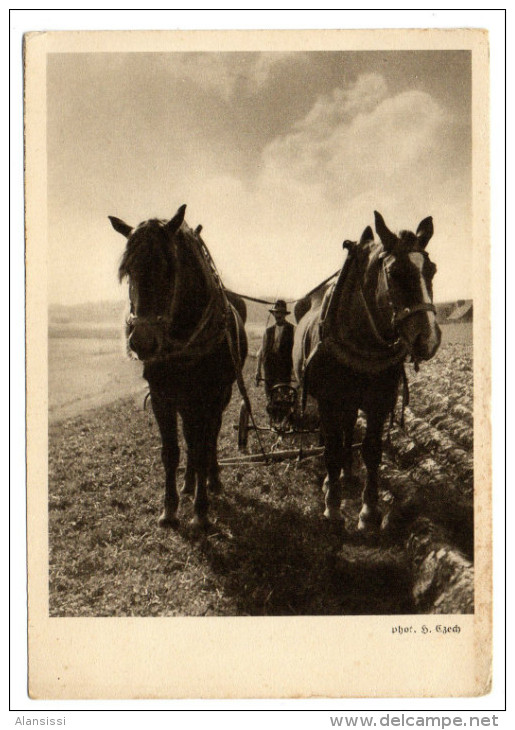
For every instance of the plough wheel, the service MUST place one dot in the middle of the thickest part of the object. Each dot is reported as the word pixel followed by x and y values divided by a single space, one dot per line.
pixel 243 427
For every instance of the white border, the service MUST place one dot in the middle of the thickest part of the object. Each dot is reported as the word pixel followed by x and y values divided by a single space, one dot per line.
pixel 23 21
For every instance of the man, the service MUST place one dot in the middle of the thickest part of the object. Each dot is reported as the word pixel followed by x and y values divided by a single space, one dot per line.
pixel 275 357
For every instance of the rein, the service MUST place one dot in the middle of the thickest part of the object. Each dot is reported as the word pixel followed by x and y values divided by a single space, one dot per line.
pixel 395 348
pixel 230 313
pixel 400 316
pixel 290 301
pixel 346 351
pixel 392 350
pixel 208 333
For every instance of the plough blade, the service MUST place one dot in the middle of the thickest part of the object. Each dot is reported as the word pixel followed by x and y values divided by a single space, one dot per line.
pixel 272 456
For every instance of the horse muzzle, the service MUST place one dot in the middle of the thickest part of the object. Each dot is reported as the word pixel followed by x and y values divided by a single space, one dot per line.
pixel 419 330
pixel 143 341
pixel 426 345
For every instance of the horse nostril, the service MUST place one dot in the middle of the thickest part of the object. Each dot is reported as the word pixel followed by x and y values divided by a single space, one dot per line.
pixel 425 349
pixel 142 342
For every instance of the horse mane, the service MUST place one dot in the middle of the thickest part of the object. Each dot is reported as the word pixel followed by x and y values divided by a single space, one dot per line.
pixel 149 251
pixel 351 333
pixel 142 250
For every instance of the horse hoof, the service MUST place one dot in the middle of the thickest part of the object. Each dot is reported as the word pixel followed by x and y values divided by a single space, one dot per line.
pixel 333 514
pixel 387 523
pixel 187 490
pixel 369 521
pixel 168 521
pixel 200 523
pixel 392 524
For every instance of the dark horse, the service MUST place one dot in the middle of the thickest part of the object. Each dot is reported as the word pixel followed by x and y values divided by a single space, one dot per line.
pixel 189 333
pixel 350 348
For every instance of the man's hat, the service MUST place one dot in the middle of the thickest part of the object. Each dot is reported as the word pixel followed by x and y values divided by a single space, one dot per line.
pixel 280 306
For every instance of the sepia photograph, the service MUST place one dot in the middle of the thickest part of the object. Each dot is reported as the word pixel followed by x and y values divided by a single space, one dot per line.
pixel 258 367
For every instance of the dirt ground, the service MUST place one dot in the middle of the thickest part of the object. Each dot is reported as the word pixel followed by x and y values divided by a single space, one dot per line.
pixel 89 372
pixel 85 373
pixel 269 551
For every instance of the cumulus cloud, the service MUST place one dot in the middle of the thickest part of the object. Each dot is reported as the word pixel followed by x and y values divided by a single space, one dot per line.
pixel 360 139
pixel 356 151
pixel 341 105
pixel 264 64
pixel 227 74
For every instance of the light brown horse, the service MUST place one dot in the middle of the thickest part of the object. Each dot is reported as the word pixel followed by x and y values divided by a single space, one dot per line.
pixel 350 347
pixel 189 333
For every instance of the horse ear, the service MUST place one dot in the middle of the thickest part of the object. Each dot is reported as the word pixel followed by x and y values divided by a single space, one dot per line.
pixel 388 239
pixel 367 235
pixel 175 223
pixel 425 231
pixel 120 226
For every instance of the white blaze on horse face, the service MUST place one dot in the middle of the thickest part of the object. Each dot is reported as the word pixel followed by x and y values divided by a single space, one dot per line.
pixel 418 259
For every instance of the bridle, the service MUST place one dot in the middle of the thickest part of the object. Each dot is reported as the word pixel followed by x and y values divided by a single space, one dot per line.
pixel 395 347
pixel 207 334
pixel 401 314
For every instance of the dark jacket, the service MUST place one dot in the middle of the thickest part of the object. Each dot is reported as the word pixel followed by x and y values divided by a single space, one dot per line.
pixel 277 364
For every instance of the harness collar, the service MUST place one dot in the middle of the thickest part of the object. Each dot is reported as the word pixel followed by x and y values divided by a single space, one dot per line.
pixel 209 331
pixel 393 349
pixel 401 314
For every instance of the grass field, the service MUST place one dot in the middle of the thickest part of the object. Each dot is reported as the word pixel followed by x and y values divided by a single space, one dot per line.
pixel 269 551
pixel 85 373
pixel 87 367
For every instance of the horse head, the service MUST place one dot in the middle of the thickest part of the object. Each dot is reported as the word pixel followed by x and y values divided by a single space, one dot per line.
pixel 150 263
pixel 406 286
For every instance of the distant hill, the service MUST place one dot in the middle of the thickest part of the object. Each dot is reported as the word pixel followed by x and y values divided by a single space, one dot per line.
pixel 455 311
pixel 112 312
pixel 443 309
pixel 462 312
pixel 90 312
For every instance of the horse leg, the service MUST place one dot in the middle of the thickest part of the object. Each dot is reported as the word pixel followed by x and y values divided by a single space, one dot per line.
pixel 331 425
pixel 166 418
pixel 190 428
pixel 349 421
pixel 190 475
pixel 188 486
pixel 370 515
pixel 196 433
pixel 213 476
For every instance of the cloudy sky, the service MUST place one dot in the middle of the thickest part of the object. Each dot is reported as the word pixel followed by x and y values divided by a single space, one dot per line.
pixel 280 156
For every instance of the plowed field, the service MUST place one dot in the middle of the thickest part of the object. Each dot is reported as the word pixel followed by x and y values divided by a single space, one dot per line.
pixel 269 551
